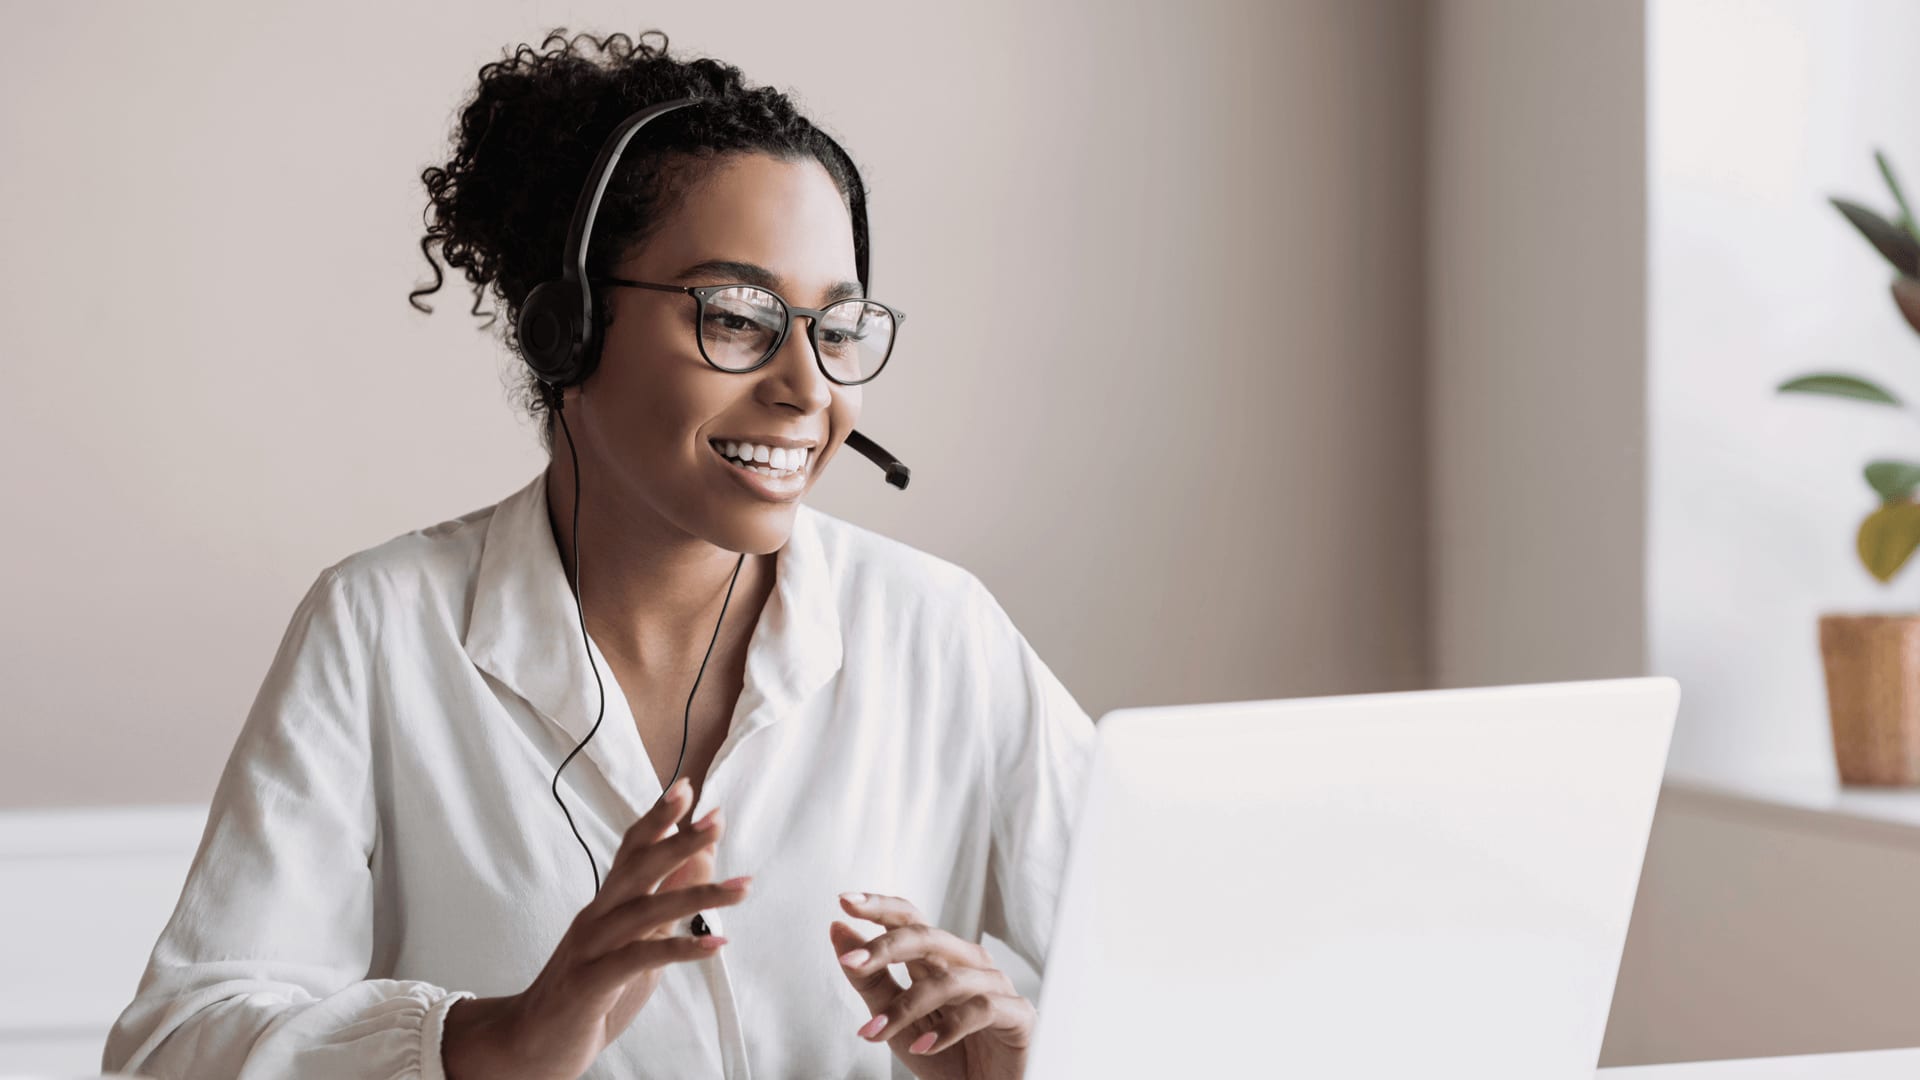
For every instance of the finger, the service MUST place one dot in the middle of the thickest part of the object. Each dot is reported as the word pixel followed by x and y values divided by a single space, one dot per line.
pixel 893 911
pixel 660 818
pixel 610 971
pixel 651 827
pixel 933 949
pixel 645 868
pixel 885 910
pixel 903 1015
pixel 877 988
pixel 650 915
pixel 698 868
pixel 1007 1013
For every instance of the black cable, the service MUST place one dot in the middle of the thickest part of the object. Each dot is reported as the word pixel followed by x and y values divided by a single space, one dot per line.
pixel 561 414
pixel 686 719
pixel 554 399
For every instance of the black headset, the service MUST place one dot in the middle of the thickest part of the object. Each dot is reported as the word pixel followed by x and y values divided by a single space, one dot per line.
pixel 559 337
pixel 560 340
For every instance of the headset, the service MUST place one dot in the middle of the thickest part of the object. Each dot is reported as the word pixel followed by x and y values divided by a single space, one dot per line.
pixel 557 331
pixel 560 341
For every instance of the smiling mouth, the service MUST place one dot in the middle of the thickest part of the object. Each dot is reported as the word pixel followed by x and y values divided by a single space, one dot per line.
pixel 781 464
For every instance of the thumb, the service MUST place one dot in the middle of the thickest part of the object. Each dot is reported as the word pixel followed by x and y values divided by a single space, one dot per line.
pixel 876 989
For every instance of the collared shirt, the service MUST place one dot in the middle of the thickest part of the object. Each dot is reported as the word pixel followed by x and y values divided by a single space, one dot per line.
pixel 384 839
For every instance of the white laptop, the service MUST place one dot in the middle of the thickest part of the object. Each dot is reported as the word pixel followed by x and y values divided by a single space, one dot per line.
pixel 1430 884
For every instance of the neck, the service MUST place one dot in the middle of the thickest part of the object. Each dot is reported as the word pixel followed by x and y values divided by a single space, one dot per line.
pixel 652 593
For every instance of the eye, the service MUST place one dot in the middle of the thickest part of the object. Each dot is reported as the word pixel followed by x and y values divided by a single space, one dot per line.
pixel 734 320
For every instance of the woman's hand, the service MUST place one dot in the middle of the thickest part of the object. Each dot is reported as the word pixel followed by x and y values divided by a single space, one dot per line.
pixel 961 1019
pixel 607 963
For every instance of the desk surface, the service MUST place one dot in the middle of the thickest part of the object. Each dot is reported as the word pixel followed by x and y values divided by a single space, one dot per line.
pixel 1864 1065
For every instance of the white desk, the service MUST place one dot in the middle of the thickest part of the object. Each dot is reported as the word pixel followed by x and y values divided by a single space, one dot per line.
pixel 1866 1065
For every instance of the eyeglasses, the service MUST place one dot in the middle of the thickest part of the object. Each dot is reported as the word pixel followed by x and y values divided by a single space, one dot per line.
pixel 742 326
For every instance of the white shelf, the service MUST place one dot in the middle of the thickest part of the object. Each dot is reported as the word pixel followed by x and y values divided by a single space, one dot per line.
pixel 1812 798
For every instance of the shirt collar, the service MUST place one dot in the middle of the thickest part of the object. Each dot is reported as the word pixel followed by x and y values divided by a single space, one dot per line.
pixel 525 632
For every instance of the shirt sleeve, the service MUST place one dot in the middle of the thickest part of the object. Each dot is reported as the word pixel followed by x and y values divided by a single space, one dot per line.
pixel 1041 753
pixel 261 971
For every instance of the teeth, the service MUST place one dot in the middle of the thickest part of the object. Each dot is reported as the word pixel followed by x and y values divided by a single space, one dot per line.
pixel 766 460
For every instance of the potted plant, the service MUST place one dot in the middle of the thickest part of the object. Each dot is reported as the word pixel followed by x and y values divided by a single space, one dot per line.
pixel 1872 662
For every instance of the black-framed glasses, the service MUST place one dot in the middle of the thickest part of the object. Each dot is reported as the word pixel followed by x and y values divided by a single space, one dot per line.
pixel 741 327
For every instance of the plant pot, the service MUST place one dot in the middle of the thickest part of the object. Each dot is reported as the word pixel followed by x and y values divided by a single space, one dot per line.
pixel 1873 696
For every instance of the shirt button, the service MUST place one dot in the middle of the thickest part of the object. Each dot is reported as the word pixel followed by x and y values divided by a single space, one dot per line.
pixel 699 927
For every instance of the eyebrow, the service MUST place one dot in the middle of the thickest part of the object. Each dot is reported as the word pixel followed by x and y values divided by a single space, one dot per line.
pixel 755 274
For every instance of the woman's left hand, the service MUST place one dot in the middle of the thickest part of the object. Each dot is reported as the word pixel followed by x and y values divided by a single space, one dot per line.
pixel 960 1020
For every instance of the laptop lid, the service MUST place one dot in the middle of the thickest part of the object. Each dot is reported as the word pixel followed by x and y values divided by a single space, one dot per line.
pixel 1432 884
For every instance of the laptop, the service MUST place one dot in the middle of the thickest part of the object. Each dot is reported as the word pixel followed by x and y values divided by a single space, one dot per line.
pixel 1421 884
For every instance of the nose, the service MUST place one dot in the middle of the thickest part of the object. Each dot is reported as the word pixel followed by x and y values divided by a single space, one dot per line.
pixel 795 375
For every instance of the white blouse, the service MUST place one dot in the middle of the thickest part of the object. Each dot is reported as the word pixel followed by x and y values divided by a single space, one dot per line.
pixel 384 840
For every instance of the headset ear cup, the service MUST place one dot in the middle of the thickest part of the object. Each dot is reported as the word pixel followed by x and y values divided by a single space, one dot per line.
pixel 549 331
pixel 587 357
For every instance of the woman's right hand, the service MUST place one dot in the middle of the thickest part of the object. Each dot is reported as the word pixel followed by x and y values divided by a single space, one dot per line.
pixel 607 963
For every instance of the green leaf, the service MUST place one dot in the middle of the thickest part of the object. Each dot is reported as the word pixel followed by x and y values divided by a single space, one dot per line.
pixel 1895 243
pixel 1894 480
pixel 1888 537
pixel 1906 296
pixel 1845 386
pixel 1899 197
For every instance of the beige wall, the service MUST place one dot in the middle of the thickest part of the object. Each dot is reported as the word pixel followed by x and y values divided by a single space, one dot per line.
pixel 1536 344
pixel 215 386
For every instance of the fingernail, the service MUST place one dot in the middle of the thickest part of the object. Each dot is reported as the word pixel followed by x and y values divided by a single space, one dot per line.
pixel 681 787
pixel 854 897
pixel 924 1043
pixel 855 958
pixel 873 1026
pixel 710 941
pixel 709 821
pixel 737 883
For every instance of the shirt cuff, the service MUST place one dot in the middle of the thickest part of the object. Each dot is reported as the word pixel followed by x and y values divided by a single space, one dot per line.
pixel 433 1028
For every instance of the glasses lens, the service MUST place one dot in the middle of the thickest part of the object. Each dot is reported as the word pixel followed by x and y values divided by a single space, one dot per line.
pixel 740 325
pixel 854 338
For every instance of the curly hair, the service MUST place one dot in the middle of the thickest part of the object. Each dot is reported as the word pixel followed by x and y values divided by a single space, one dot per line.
pixel 500 208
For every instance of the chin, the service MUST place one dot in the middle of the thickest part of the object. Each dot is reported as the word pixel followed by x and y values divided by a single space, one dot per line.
pixel 762 531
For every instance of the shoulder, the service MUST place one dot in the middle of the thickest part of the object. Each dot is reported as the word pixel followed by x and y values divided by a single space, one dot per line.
pixel 870 568
pixel 432 567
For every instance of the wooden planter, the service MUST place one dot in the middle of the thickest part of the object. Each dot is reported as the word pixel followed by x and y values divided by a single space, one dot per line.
pixel 1873 696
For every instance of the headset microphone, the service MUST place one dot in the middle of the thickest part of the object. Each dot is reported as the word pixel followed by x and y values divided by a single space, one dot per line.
pixel 897 472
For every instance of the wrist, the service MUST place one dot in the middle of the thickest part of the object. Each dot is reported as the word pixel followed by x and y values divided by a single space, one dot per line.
pixel 474 1041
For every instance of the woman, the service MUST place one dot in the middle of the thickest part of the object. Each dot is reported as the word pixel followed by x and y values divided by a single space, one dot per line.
pixel 835 745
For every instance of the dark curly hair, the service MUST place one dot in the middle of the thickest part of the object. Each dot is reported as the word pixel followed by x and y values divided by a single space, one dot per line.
pixel 499 210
